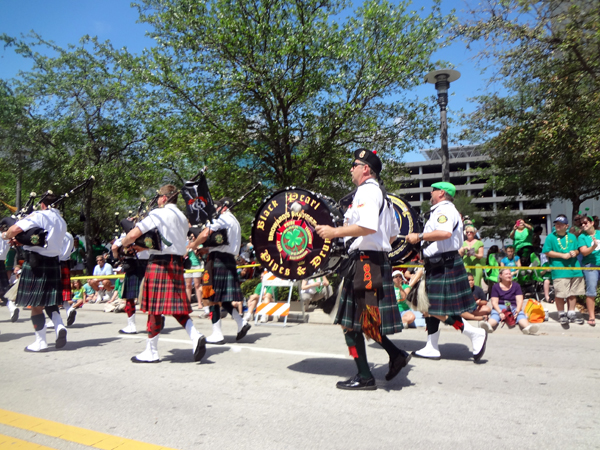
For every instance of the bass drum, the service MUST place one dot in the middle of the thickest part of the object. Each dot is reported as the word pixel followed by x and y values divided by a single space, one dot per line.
pixel 409 222
pixel 284 237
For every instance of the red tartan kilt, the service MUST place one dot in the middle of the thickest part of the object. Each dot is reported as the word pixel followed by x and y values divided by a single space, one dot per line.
pixel 65 280
pixel 164 287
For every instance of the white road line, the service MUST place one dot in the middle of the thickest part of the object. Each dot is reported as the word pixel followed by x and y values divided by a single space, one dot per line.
pixel 256 349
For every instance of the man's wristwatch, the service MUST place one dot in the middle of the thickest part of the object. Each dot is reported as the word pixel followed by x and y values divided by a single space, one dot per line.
pixel 420 236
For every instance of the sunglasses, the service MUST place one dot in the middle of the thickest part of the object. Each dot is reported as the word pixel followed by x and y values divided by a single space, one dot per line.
pixel 397 276
pixel 435 189
pixel 354 164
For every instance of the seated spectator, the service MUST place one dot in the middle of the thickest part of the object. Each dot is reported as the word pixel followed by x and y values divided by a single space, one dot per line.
pixel 589 246
pixel 491 275
pixel 315 289
pixel 507 293
pixel 483 309
pixel 270 295
pixel 102 268
pixel 90 294
pixel 78 294
pixel 510 260
pixel 402 288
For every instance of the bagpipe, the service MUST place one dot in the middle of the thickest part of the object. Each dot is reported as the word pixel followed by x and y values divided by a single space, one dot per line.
pixel 36 237
pixel 286 243
pixel 149 240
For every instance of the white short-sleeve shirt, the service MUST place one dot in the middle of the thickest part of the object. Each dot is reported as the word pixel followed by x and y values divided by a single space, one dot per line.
pixel 234 233
pixel 67 248
pixel 364 211
pixel 172 224
pixel 51 221
pixel 444 216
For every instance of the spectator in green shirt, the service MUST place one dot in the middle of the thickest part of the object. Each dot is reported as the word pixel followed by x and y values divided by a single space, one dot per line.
pixel 522 236
pixel 402 290
pixel 561 249
pixel 589 246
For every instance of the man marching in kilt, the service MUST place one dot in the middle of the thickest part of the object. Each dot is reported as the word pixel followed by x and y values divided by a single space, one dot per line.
pixel 40 283
pixel 134 266
pixel 4 284
pixel 164 288
pixel 220 282
pixel 368 302
pixel 447 281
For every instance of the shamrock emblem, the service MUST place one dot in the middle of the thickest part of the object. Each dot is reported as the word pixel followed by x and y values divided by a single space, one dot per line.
pixel 293 238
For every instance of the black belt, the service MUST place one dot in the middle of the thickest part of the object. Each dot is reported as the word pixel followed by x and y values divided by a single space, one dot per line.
pixel 445 255
pixel 166 258
pixel 39 255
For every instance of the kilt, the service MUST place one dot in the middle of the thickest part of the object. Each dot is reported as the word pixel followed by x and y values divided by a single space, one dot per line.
pixel 65 278
pixel 130 288
pixel 226 283
pixel 40 286
pixel 348 314
pixel 448 288
pixel 4 286
pixel 164 288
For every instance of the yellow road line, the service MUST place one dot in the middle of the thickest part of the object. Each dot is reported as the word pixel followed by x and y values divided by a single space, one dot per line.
pixel 78 435
pixel 18 444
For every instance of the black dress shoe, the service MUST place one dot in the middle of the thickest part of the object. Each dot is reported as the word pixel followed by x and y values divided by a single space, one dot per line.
pixel 122 331
pixel 200 349
pixel 71 317
pixel 243 332
pixel 397 364
pixel 61 340
pixel 357 384
pixel 15 315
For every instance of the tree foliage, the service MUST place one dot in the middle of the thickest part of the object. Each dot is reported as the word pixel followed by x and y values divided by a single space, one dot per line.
pixel 280 91
pixel 542 134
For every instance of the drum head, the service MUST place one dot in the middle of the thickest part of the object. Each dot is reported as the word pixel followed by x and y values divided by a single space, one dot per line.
pixel 408 222
pixel 284 237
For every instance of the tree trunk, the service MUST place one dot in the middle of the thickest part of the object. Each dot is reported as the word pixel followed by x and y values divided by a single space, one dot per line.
pixel 90 260
pixel 576 205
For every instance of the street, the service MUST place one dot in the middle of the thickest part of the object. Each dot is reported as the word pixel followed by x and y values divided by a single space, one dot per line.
pixel 276 389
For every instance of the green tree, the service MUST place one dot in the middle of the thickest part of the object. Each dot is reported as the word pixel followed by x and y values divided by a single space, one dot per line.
pixel 542 134
pixel 280 91
pixel 89 120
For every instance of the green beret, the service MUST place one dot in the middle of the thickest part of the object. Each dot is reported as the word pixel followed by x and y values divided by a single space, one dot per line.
pixel 446 187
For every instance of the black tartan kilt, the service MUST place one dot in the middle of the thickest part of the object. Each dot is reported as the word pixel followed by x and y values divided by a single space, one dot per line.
pixel 41 286
pixel 133 278
pixel 4 285
pixel 348 314
pixel 448 288
pixel 226 283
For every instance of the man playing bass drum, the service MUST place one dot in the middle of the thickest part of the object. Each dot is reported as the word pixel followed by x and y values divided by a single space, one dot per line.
pixel 220 282
pixel 368 303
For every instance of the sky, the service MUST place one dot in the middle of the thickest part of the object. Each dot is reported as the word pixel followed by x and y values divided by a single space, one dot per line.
pixel 66 21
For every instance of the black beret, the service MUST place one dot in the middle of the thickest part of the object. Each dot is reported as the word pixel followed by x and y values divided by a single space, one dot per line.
pixel 370 158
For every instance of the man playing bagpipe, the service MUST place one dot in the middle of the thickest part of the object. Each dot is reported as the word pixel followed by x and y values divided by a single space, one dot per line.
pixel 40 283
pixel 164 287
pixel 220 282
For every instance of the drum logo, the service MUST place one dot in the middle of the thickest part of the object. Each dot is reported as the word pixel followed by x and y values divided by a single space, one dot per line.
pixel 294 240
pixel 35 239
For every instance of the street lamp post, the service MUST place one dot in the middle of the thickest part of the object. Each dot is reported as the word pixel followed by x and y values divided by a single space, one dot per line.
pixel 441 79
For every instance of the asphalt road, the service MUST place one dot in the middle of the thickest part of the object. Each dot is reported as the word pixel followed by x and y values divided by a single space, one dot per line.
pixel 276 389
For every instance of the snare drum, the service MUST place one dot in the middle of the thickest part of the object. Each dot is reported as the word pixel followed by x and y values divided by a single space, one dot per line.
pixel 284 237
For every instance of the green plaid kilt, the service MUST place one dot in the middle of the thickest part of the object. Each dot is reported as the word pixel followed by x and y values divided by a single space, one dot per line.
pixel 348 314
pixel 448 288
pixel 226 283
pixel 164 288
pixel 133 278
pixel 4 286
pixel 41 286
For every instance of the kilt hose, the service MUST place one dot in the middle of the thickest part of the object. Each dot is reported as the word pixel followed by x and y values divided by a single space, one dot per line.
pixel 164 288
pixel 42 285
pixel 65 278
pixel 133 278
pixel 448 288
pixel 226 283
pixel 348 314
pixel 4 285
